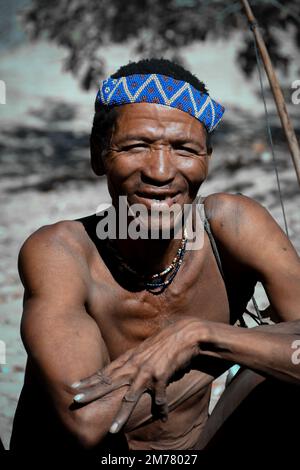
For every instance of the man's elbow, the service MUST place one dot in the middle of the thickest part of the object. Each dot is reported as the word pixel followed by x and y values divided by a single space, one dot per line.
pixel 87 433
pixel 93 439
pixel 88 439
pixel 90 423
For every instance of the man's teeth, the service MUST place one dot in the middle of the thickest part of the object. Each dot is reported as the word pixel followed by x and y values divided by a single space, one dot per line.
pixel 158 199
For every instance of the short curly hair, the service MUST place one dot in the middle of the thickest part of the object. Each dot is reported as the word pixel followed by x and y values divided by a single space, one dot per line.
pixel 104 116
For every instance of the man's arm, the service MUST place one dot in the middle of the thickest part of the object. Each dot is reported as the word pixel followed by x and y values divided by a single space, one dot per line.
pixel 60 337
pixel 251 237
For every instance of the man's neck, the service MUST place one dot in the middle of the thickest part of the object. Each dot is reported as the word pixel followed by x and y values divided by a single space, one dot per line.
pixel 148 256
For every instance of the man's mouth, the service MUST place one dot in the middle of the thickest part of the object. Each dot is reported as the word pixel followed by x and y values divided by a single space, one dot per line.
pixel 156 198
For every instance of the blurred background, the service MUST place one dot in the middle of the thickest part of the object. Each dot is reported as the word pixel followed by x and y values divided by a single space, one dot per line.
pixel 52 57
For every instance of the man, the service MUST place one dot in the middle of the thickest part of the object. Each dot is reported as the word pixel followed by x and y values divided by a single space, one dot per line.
pixel 149 322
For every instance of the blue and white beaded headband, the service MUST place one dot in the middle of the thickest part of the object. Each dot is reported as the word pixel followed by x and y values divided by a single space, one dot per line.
pixel 164 90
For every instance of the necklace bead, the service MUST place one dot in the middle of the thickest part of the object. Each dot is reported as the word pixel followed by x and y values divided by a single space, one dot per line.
pixel 155 281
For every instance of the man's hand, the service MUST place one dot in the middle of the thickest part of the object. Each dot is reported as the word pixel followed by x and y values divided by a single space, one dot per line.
pixel 181 347
pixel 146 368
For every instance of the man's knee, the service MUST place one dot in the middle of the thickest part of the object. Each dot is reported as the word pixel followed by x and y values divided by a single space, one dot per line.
pixel 267 415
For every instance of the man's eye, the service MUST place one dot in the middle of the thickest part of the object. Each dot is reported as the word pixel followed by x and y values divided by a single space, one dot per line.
pixel 137 146
pixel 183 148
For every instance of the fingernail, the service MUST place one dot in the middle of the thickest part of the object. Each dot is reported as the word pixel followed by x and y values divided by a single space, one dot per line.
pixel 79 397
pixel 76 384
pixel 114 428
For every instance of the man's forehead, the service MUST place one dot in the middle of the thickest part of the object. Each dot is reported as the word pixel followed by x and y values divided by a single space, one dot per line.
pixel 148 119
pixel 143 113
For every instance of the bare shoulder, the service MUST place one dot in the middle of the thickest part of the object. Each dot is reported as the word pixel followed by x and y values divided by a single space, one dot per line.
pixel 67 233
pixel 51 249
pixel 230 210
pixel 245 228
pixel 236 214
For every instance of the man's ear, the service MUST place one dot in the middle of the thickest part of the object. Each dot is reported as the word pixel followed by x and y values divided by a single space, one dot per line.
pixel 96 158
pixel 208 154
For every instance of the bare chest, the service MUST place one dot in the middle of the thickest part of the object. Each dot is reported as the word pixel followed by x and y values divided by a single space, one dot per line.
pixel 126 318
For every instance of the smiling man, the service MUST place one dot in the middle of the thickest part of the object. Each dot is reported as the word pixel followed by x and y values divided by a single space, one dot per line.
pixel 147 320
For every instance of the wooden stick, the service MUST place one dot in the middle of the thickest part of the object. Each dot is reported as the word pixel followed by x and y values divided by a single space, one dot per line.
pixel 276 90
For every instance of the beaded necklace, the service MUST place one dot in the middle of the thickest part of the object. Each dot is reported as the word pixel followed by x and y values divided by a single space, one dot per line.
pixel 158 282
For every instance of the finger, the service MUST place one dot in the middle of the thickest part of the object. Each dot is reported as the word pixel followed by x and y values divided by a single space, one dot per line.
pixel 103 375
pixel 129 402
pixel 98 391
pixel 100 377
pixel 161 408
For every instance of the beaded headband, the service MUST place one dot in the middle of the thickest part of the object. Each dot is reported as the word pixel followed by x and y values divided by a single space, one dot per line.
pixel 164 90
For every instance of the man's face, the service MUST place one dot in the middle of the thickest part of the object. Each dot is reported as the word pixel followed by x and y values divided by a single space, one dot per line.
pixel 156 156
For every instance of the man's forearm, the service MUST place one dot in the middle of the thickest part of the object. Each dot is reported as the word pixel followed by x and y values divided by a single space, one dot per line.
pixel 266 349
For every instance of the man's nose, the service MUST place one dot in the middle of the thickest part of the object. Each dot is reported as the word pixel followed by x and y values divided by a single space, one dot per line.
pixel 159 169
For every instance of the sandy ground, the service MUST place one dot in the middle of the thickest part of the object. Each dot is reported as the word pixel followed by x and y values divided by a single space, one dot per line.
pixel 46 177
